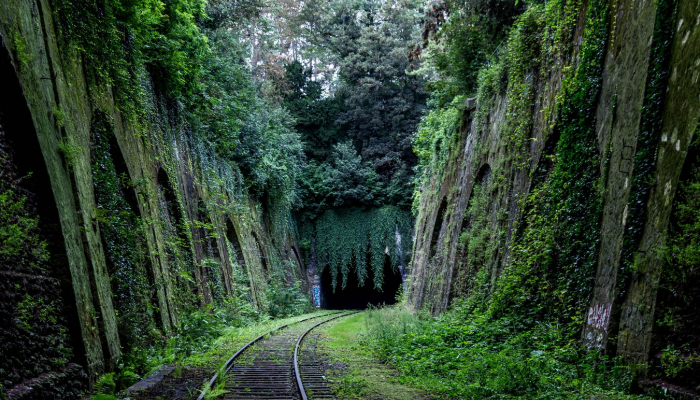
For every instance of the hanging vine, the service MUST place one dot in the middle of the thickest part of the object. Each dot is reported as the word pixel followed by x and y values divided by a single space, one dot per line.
pixel 356 239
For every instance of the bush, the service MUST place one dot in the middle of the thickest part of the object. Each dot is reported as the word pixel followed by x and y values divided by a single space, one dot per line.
pixel 463 354
pixel 286 301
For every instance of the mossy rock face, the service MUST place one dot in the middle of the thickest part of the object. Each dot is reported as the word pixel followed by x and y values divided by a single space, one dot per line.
pixel 141 210
pixel 584 144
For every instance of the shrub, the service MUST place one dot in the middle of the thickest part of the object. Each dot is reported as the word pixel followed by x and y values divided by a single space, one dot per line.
pixel 465 354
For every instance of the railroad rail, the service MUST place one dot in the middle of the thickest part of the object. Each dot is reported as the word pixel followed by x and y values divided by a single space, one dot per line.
pixel 261 369
pixel 312 373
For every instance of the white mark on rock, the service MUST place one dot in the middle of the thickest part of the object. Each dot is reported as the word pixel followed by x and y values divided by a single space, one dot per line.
pixel 624 214
pixel 680 23
pixel 675 72
pixel 599 316
pixel 685 38
pixel 667 191
pixel 678 145
pixel 627 181
pixel 664 138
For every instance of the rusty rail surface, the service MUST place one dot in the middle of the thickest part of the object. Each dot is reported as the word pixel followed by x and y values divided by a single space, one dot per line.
pixel 230 362
pixel 312 373
pixel 268 373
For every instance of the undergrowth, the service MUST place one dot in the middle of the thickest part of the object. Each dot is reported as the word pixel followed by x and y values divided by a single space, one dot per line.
pixel 464 354
pixel 201 339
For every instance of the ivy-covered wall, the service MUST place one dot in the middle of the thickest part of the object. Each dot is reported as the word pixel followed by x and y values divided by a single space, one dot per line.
pixel 549 195
pixel 152 224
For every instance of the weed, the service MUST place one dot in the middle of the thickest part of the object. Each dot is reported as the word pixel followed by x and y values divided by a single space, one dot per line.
pixel 465 354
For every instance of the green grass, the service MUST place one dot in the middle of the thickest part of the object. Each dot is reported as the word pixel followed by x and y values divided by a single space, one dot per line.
pixel 463 354
pixel 344 334
pixel 354 372
pixel 233 339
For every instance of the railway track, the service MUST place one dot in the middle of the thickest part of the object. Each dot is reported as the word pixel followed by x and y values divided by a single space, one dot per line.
pixel 276 366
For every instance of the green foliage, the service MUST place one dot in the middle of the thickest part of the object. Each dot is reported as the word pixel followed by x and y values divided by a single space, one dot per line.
pixel 553 257
pixel 121 40
pixel 20 45
pixel 344 181
pixel 383 104
pixel 199 329
pixel 286 301
pixel 123 237
pixel 649 135
pixel 466 355
pixel 365 94
pixel 19 228
pixel 315 115
pixel 30 309
pixel 477 244
pixel 459 37
pixel 677 300
pixel 357 239
pixel 436 132
pixel 103 396
pixel 105 383
pixel 675 361
pixel 186 56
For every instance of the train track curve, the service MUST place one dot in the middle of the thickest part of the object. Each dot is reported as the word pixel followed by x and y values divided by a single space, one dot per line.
pixel 274 366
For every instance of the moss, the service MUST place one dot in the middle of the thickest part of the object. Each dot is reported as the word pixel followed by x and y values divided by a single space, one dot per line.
pixel 123 239
pixel 641 181
pixel 20 45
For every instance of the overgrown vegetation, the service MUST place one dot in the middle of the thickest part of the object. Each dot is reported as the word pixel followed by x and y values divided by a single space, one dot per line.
pixel 352 371
pixel 196 63
pixel 333 116
pixel 356 240
pixel 124 242
pixel 515 331
pixel 677 347
pixel 466 354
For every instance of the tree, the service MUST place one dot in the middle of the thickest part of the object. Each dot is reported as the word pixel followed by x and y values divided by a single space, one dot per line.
pixel 379 103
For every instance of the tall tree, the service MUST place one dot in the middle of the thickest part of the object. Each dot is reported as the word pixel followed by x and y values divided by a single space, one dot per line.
pixel 367 43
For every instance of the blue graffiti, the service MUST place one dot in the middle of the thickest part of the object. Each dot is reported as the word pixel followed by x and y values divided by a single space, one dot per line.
pixel 317 297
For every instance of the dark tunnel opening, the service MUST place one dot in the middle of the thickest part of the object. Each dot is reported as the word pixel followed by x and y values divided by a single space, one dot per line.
pixel 355 297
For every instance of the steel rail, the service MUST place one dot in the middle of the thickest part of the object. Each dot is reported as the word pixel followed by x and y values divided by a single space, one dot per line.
pixel 229 363
pixel 300 384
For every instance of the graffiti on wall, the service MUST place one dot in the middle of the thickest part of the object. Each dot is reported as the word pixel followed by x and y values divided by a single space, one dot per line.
pixel 599 316
pixel 317 296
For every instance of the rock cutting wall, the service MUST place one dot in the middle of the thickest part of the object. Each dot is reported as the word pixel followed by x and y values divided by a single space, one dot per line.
pixel 145 224
pixel 644 108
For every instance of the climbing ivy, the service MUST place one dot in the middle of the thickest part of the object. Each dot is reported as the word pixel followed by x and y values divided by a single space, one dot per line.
pixel 553 263
pixel 358 239
pixel 123 239
pixel 641 181
pixel 19 233
pixel 676 337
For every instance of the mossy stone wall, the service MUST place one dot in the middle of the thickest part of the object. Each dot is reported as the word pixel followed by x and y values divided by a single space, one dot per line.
pixel 179 204
pixel 619 83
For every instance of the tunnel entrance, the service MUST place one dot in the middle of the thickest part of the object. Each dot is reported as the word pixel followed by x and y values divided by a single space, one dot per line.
pixel 355 297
